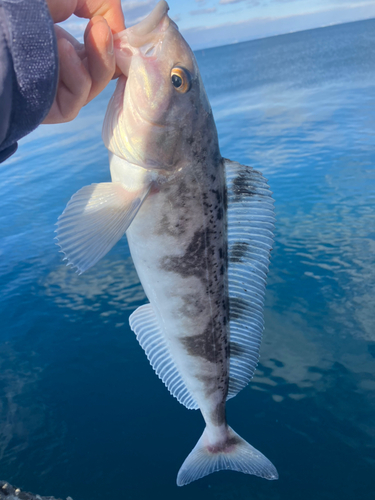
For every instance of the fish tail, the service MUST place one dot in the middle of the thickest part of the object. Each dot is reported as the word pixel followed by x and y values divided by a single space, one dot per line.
pixel 232 454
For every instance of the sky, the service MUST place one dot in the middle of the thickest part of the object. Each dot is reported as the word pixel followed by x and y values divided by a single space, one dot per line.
pixel 210 23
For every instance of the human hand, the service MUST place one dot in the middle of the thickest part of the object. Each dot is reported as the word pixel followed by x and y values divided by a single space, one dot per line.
pixel 84 69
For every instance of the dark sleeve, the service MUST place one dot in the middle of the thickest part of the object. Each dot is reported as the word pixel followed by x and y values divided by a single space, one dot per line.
pixel 28 69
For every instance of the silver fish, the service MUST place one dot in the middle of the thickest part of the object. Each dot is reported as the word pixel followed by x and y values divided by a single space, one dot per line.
pixel 200 230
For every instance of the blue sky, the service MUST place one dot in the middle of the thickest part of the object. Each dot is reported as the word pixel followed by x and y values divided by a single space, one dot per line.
pixel 209 23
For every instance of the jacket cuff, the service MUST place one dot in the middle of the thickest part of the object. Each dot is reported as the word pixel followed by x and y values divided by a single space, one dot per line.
pixel 6 153
pixel 32 50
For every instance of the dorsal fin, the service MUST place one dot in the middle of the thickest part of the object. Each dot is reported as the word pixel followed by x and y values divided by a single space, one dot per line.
pixel 250 237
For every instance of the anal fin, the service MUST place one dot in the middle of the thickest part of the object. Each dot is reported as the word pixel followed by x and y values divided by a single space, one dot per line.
pixel 145 325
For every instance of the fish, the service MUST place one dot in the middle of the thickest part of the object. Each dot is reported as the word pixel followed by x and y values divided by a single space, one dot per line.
pixel 200 233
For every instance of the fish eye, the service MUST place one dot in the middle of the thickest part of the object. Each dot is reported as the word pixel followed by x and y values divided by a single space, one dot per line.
pixel 181 79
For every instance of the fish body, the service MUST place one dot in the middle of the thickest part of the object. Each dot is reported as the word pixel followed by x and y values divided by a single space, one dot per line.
pixel 183 271
pixel 199 229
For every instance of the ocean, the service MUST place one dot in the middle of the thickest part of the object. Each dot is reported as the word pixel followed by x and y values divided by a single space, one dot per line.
pixel 81 411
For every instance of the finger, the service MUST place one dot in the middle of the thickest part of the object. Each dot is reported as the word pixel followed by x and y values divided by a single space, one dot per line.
pixel 109 9
pixel 117 72
pixel 73 86
pixel 61 33
pixel 100 55
pixel 61 10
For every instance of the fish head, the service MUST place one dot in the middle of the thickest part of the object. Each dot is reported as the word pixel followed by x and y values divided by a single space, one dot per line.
pixel 160 103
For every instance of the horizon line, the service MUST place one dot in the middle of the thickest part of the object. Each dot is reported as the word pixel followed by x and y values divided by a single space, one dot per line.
pixel 280 34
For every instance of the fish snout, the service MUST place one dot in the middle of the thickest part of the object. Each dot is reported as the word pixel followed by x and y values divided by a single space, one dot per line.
pixel 143 38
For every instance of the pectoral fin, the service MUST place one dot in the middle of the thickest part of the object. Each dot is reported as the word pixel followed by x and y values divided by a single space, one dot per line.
pixel 94 220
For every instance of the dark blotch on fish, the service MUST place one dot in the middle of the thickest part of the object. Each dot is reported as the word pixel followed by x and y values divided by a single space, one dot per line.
pixel 238 251
pixel 180 198
pixel 237 308
pixel 226 446
pixel 223 254
pixel 193 262
pixel 236 349
pixel 242 185
pixel 218 414
pixel 209 344
pixel 192 305
pixel 210 382
pixel 169 226
pixel 225 198
pixel 218 195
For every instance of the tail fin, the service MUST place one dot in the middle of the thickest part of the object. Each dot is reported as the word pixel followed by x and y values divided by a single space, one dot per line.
pixel 234 454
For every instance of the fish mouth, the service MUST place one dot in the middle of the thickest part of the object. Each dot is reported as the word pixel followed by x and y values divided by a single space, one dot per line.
pixel 142 39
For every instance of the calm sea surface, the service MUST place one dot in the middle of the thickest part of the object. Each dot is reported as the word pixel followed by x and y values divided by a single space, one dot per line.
pixel 82 412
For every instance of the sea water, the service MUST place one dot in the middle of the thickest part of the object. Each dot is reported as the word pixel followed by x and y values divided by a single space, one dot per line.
pixel 82 412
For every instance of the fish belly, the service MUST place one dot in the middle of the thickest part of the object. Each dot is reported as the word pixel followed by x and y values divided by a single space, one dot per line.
pixel 178 243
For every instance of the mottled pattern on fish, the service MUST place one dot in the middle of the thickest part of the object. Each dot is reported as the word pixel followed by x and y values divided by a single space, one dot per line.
pixel 187 248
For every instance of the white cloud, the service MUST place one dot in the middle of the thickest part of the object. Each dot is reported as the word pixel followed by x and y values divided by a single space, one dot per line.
pixel 126 5
pixel 203 11
pixel 225 2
